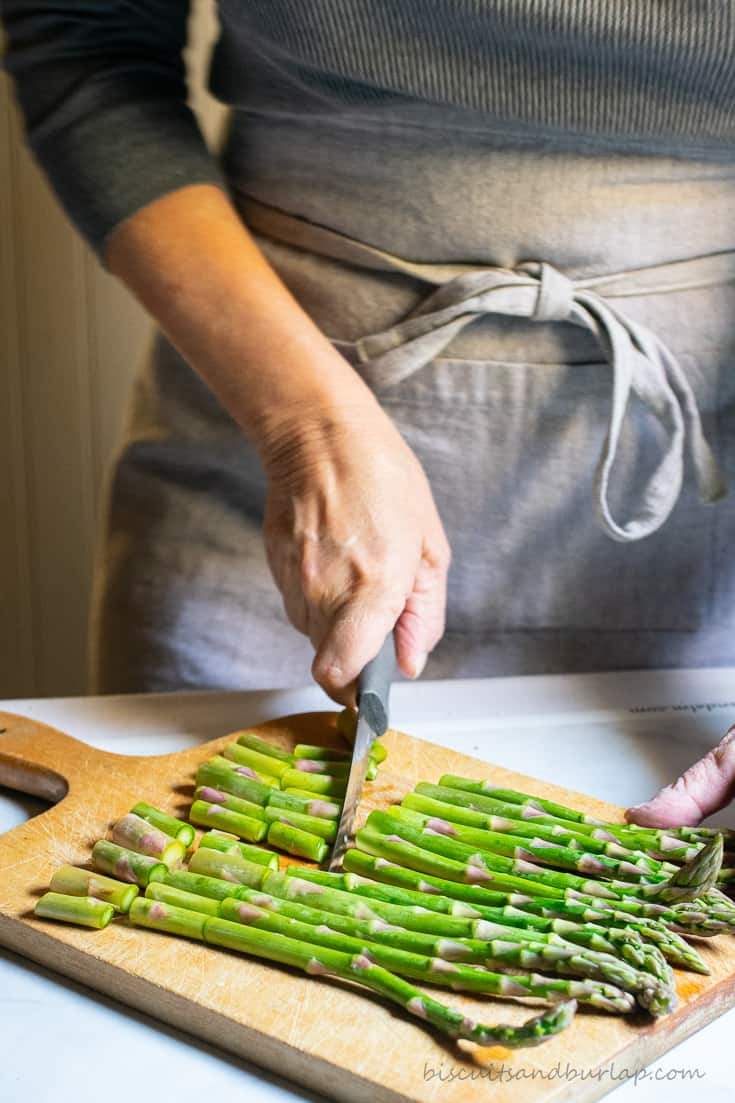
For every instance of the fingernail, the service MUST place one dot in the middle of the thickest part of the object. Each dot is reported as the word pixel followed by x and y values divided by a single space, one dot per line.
pixel 419 663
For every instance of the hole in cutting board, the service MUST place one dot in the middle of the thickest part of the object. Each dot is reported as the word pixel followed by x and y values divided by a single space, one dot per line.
pixel 17 808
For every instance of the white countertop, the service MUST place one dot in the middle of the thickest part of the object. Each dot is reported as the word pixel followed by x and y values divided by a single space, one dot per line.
pixel 617 736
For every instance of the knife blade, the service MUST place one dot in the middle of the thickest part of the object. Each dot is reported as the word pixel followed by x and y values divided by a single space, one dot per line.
pixel 373 689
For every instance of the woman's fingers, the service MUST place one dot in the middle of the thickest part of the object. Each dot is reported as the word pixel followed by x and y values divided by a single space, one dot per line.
pixel 353 637
pixel 706 787
pixel 421 624
pixel 356 631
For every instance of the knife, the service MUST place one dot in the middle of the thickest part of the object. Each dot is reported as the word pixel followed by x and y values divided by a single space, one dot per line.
pixel 373 689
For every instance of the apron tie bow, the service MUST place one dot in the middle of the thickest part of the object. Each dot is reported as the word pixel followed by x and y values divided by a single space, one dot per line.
pixel 640 362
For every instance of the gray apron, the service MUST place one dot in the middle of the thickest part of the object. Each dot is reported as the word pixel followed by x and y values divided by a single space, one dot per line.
pixel 561 408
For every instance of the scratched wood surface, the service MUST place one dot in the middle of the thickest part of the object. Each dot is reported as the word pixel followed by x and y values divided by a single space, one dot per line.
pixel 320 1033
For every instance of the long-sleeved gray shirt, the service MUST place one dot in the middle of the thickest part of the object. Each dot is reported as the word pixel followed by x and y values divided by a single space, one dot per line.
pixel 102 85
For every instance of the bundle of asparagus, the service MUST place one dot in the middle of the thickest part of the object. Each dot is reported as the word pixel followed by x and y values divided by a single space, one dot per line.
pixel 463 885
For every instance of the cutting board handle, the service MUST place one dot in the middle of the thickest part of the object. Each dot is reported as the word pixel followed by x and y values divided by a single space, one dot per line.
pixel 33 754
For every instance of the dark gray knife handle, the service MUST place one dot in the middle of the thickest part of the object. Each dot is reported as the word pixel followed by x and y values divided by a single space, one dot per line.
pixel 373 686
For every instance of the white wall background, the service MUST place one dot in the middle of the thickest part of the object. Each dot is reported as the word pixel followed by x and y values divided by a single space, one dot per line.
pixel 70 340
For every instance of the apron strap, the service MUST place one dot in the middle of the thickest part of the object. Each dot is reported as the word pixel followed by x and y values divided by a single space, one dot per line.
pixel 639 360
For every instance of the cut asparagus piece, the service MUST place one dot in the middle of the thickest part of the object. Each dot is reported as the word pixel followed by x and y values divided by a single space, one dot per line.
pixel 314 825
pixel 167 894
pixel 210 795
pixel 215 888
pixel 83 910
pixel 300 843
pixel 177 829
pixel 320 961
pixel 310 750
pixel 71 881
pixel 422 966
pixel 228 867
pixel 324 784
pixel 216 815
pixel 378 752
pixel 261 763
pixel 347 724
pixel 262 746
pixel 127 865
pixel 307 805
pixel 333 767
pixel 233 781
pixel 309 794
pixel 135 833
pixel 168 918
pixel 220 762
pixel 227 844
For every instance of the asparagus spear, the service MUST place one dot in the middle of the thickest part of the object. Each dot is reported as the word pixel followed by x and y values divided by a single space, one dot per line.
pixel 167 894
pixel 217 815
pixel 419 965
pixel 321 961
pixel 135 833
pixel 261 763
pixel 127 865
pixel 228 867
pixel 177 829
pixel 295 841
pixel 314 825
pixel 71 881
pixel 307 805
pixel 84 910
pixel 228 844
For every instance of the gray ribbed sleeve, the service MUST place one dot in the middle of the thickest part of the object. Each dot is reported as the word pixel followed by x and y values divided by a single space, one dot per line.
pixel 103 90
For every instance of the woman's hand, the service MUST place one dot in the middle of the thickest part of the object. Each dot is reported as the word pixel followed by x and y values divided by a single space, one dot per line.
pixel 354 542
pixel 706 787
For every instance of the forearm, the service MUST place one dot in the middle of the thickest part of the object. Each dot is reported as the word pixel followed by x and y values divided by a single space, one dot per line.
pixel 193 264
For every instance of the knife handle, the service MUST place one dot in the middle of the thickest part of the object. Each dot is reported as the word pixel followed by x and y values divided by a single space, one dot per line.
pixel 373 686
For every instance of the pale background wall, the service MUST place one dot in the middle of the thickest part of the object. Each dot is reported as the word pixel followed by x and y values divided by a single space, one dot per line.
pixel 70 339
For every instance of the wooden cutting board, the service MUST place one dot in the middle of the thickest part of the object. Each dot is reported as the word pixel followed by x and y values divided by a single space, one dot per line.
pixel 320 1033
